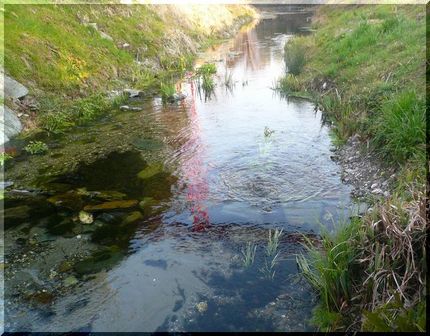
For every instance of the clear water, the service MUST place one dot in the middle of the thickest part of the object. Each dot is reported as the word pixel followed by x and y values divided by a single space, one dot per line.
pixel 183 268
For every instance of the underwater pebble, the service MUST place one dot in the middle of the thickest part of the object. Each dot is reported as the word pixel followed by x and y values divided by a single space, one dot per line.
pixel 202 306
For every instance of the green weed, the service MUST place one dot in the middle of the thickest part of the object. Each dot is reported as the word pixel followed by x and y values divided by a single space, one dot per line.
pixel 4 157
pixel 36 147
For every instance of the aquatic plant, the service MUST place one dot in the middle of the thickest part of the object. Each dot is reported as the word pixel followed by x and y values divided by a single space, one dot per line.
pixel 268 269
pixel 248 254
pixel 207 69
pixel 268 132
pixel 228 80
pixel 273 242
pixel 167 90
pixel 208 84
pixel 36 147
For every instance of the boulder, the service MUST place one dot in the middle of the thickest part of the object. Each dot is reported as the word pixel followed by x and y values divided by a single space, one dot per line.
pixel 13 89
pixel 9 124
pixel 150 171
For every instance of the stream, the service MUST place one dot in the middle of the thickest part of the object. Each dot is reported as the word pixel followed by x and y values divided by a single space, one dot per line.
pixel 179 194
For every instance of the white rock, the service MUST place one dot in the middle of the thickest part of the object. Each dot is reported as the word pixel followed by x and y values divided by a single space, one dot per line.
pixel 105 36
pixel 12 88
pixel 377 191
pixel 374 186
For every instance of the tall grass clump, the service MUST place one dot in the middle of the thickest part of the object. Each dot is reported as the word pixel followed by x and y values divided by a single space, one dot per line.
pixel 295 56
pixel 167 90
pixel 330 271
pixel 248 254
pixel 273 242
pixel 371 275
pixel 400 130
pixel 289 84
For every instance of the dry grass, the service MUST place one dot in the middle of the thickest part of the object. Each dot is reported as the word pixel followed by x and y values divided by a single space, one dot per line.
pixel 394 258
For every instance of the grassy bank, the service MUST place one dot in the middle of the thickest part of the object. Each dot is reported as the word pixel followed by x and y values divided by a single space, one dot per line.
pixel 365 67
pixel 69 56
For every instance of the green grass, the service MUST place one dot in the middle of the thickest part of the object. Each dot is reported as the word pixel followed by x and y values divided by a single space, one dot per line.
pixel 53 50
pixel 374 56
pixel 57 115
pixel 372 59
pixel 400 129
pixel 295 56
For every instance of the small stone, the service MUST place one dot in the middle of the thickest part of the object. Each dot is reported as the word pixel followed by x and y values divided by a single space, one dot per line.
pixel 377 191
pixel 386 193
pixel 52 274
pixel 374 186
pixel 85 217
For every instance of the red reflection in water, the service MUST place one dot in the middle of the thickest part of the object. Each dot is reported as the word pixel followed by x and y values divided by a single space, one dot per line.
pixel 195 172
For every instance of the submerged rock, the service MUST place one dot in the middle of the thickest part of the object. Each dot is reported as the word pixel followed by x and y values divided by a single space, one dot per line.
pixel 42 297
pixel 131 108
pixel 202 306
pixel 70 281
pixel 100 260
pixel 65 227
pixel 112 205
pixel 133 93
pixel 159 186
pixel 132 218
pixel 150 171
pixel 70 200
pixel 109 195
pixel 65 266
pixel 148 144
pixel 16 215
